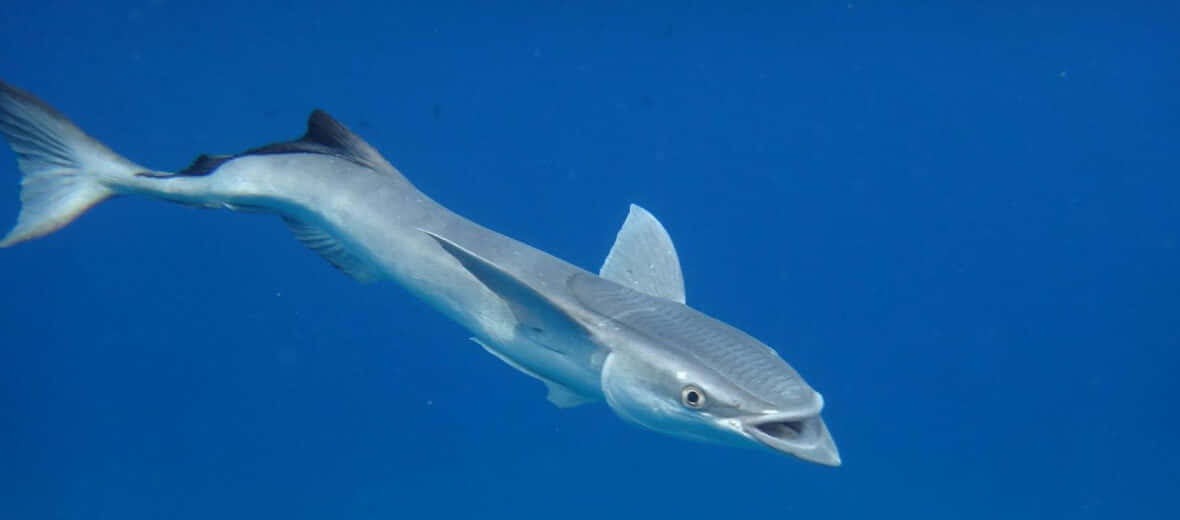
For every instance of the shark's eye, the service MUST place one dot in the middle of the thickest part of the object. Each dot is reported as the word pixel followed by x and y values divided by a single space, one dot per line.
pixel 692 397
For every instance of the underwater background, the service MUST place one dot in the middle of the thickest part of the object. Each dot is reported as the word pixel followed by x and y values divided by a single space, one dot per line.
pixel 958 222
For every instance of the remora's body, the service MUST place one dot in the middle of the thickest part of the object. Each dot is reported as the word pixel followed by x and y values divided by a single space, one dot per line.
pixel 625 336
pixel 386 228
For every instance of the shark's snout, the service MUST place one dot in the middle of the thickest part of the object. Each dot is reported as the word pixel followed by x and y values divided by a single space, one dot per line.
pixel 805 437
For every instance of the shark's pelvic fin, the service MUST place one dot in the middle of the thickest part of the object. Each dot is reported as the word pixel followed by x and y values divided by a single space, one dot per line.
pixel 540 316
pixel 558 394
pixel 333 251
pixel 643 258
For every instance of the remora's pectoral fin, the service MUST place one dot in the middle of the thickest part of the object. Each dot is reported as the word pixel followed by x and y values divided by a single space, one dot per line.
pixel 333 251
pixel 562 397
pixel 540 315
pixel 643 258
pixel 558 394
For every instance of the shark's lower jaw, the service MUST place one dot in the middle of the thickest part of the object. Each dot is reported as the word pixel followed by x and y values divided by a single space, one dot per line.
pixel 804 437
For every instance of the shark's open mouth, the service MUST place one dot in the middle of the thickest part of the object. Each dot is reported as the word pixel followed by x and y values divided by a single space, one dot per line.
pixel 804 437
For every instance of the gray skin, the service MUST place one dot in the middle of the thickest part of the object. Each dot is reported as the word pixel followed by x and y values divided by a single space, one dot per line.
pixel 624 335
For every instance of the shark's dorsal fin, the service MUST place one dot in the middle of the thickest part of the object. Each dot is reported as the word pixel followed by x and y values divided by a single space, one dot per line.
pixel 643 258
pixel 539 315
pixel 333 251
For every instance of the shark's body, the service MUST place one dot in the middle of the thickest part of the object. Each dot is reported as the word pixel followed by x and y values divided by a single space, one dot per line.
pixel 623 335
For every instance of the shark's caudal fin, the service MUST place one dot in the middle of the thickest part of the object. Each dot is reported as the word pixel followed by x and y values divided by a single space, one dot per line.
pixel 64 171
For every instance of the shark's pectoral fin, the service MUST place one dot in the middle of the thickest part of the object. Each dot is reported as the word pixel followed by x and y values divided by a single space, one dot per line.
pixel 558 394
pixel 543 320
pixel 333 251
pixel 644 259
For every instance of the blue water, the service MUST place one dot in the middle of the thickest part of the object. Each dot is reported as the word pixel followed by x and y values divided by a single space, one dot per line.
pixel 960 224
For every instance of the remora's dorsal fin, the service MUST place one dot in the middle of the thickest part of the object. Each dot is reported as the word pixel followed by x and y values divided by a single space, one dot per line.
pixel 326 135
pixel 333 251
pixel 532 309
pixel 204 164
pixel 643 258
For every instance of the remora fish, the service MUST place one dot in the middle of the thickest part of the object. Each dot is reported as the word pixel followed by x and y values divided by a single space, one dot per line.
pixel 624 336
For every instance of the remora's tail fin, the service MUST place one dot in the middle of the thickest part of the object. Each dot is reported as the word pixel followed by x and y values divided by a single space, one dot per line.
pixel 64 171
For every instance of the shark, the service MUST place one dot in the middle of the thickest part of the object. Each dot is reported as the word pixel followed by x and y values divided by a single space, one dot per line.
pixel 623 335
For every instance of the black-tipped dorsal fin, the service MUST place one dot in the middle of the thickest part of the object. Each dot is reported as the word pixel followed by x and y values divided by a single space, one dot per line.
pixel 326 130
pixel 204 164
pixel 325 135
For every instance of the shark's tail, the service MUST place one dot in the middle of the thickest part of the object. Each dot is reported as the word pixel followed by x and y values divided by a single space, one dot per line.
pixel 64 171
